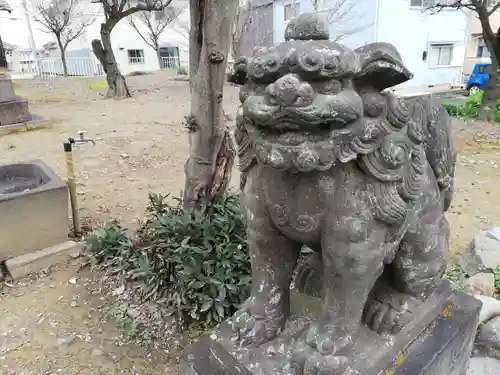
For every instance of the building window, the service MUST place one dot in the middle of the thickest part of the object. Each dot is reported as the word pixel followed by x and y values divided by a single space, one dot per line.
pixel 482 49
pixel 292 10
pixel 170 57
pixel 135 56
pixel 441 54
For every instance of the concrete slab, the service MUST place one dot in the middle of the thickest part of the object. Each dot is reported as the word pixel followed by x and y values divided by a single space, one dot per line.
pixel 23 265
pixel 37 122
pixel 33 200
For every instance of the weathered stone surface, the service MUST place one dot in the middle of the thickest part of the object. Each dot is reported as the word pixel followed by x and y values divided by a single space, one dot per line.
pixel 487 342
pixel 483 254
pixel 481 283
pixel 364 178
pixel 449 335
pixel 483 366
pixel 13 109
pixel 33 200
pixel 6 89
pixel 489 309
pixel 23 265
pixel 36 122
pixel 14 112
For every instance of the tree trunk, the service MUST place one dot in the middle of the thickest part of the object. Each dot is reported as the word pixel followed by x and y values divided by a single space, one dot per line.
pixel 491 93
pixel 104 52
pixel 62 49
pixel 3 57
pixel 160 60
pixel 211 146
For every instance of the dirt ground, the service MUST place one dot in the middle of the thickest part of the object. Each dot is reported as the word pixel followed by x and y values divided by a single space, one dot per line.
pixel 52 323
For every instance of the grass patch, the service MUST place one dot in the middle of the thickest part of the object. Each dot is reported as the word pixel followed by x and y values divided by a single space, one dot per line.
pixel 456 276
pixel 98 86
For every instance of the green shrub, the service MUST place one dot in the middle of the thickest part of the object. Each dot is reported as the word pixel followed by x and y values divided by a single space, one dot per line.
pixel 452 109
pixel 182 71
pixel 196 268
pixel 469 109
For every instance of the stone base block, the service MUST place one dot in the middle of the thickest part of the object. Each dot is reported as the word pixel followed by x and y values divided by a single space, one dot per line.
pixel 34 208
pixel 23 265
pixel 6 89
pixel 440 346
pixel 15 111
pixel 36 122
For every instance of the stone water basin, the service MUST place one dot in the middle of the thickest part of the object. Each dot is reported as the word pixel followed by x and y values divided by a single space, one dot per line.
pixel 33 208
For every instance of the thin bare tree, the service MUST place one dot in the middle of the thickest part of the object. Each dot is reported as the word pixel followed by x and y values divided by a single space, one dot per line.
pixel 151 25
pixel 345 15
pixel 211 147
pixel 66 19
pixel 240 24
pixel 114 12
pixel 483 10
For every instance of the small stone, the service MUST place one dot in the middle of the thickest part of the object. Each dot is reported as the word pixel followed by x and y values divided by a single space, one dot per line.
pixel 74 304
pixel 483 254
pixel 65 340
pixel 490 308
pixel 482 284
pixel 488 339
pixel 483 366
pixel 72 280
pixel 124 156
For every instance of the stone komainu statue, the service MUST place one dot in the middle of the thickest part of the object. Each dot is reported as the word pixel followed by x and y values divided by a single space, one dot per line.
pixel 360 176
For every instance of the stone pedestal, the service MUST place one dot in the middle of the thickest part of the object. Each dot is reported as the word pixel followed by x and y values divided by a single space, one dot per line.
pixel 439 341
pixel 13 109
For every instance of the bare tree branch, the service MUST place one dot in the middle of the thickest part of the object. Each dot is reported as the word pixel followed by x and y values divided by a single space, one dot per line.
pixel 456 4
pixel 494 8
pixel 345 15
pixel 114 12
pixel 151 25
pixel 65 18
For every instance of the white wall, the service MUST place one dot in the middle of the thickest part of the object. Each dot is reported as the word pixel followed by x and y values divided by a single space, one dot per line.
pixel 14 30
pixel 123 37
pixel 412 32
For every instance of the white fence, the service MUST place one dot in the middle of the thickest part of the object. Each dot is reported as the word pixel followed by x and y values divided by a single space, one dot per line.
pixel 48 68
pixel 77 67
pixel 170 62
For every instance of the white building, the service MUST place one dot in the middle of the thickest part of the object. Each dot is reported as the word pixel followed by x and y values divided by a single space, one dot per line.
pixel 131 51
pixel 432 46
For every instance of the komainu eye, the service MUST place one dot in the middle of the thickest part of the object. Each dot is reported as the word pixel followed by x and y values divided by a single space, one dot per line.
pixel 329 87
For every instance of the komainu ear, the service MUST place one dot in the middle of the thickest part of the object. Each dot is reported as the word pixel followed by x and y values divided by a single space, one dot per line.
pixel 381 66
pixel 238 73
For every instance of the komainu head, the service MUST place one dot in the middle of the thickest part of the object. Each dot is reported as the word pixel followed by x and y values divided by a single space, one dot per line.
pixel 309 102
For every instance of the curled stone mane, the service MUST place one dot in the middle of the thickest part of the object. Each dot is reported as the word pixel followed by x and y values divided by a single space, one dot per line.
pixel 309 104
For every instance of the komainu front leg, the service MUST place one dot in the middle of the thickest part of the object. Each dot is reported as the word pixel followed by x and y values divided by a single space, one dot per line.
pixel 273 258
pixel 416 272
pixel 353 260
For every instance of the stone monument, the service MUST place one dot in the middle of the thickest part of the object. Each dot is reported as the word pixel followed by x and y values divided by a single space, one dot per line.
pixel 13 109
pixel 363 178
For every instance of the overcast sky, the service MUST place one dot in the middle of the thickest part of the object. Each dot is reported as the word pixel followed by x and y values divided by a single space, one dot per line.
pixel 14 30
